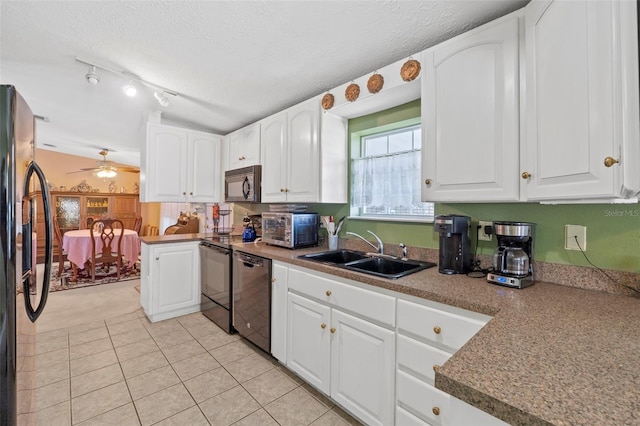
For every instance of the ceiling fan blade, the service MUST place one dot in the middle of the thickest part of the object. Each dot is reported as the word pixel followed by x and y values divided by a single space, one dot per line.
pixel 84 170
pixel 128 169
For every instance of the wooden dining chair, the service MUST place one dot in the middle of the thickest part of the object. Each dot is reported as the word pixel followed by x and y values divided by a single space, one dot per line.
pixel 90 220
pixel 58 235
pixel 111 240
pixel 137 226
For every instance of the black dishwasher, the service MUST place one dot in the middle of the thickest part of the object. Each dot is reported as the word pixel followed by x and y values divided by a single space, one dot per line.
pixel 252 298
pixel 215 282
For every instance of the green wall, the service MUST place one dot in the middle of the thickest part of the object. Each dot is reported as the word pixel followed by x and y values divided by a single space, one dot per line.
pixel 613 230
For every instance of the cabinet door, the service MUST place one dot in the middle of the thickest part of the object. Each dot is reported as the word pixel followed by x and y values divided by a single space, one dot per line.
pixel 308 342
pixel 302 144
pixel 96 207
pixel 244 147
pixel 204 174
pixel 175 278
pixel 40 231
pixel 274 160
pixel 279 290
pixel 470 114
pixel 165 177
pixel 236 149
pixel 363 368
pixel 125 208
pixel 570 109
pixel 251 154
pixel 68 210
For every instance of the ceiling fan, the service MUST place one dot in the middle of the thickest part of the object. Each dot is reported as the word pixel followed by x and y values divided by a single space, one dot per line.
pixel 106 168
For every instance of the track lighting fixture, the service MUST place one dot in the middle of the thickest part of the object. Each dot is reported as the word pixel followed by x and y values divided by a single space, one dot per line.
pixel 162 98
pixel 130 89
pixel 92 77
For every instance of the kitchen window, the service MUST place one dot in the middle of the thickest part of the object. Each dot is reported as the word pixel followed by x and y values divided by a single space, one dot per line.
pixel 385 175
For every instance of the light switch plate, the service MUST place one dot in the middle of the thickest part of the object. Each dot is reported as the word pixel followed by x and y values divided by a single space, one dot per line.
pixel 572 231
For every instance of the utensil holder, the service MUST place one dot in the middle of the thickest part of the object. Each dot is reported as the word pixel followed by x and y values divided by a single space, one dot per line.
pixel 333 242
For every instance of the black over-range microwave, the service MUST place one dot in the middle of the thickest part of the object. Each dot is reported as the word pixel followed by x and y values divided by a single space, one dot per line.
pixel 243 185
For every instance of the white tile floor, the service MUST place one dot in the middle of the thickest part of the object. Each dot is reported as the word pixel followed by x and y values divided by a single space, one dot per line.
pixel 125 370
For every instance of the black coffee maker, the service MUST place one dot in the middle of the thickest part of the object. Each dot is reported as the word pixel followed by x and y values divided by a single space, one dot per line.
pixel 455 245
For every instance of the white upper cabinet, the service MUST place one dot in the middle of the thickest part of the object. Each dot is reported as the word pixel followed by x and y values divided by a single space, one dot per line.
pixel 581 101
pixel 273 147
pixel 180 165
pixel 540 105
pixel 204 176
pixel 470 115
pixel 244 147
pixel 304 156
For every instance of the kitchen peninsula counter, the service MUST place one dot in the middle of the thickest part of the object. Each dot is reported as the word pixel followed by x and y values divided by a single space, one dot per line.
pixel 551 354
pixel 173 238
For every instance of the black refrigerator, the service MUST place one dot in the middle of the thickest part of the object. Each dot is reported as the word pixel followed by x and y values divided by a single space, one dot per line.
pixel 22 295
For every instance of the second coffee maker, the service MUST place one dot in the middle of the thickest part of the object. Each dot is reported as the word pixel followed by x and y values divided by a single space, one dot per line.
pixel 454 243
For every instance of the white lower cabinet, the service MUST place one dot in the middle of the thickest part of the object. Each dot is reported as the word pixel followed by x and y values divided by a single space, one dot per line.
pixel 308 343
pixel 361 377
pixel 428 334
pixel 279 274
pixel 372 351
pixel 170 280
pixel 343 354
pixel 422 399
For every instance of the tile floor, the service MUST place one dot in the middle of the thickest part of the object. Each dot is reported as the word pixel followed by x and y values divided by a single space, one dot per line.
pixel 183 371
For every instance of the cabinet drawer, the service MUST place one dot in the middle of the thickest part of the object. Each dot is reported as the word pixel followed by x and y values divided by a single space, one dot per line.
pixel 405 418
pixel 368 304
pixel 428 402
pixel 443 327
pixel 419 357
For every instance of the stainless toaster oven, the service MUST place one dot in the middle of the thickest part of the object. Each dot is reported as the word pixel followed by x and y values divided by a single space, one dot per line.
pixel 290 230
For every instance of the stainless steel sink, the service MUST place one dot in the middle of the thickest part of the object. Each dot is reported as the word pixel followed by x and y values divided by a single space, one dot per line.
pixel 368 263
pixel 388 268
pixel 335 257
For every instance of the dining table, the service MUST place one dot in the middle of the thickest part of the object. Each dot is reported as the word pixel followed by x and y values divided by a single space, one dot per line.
pixel 78 245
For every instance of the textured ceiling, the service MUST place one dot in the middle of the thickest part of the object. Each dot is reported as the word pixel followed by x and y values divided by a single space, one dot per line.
pixel 232 62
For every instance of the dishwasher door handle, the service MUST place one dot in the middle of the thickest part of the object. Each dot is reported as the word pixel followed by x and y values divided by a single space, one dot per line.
pixel 215 249
pixel 250 263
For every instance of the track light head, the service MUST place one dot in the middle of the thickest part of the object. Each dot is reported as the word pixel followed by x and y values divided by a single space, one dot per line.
pixel 130 89
pixel 92 77
pixel 162 98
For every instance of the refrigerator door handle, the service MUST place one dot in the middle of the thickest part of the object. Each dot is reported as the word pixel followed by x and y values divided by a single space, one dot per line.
pixel 27 267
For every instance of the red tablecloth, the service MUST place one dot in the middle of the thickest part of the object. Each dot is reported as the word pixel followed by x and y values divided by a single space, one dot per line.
pixel 78 244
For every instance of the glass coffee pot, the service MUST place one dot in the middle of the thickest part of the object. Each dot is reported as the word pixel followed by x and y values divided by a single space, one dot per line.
pixel 511 260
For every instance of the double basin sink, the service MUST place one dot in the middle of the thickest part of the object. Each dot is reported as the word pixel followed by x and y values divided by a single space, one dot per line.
pixel 379 265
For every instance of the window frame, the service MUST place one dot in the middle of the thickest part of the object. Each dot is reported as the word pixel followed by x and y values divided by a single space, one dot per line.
pixel 355 152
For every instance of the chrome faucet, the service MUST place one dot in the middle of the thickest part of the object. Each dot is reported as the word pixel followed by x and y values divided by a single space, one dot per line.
pixel 379 248
pixel 404 251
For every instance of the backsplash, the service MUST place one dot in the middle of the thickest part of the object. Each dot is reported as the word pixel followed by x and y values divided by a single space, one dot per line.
pixel 586 278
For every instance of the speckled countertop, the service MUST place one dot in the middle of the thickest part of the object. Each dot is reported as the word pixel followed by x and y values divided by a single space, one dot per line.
pixel 552 354
pixel 173 238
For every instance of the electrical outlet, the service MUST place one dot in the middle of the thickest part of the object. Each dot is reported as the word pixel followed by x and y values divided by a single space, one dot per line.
pixel 482 235
pixel 570 234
